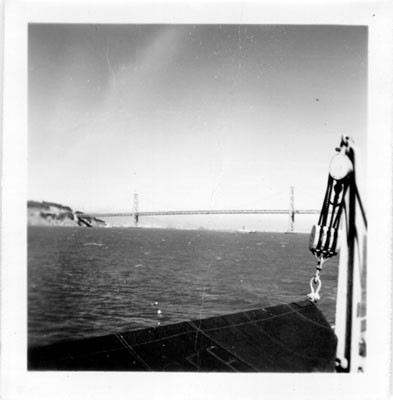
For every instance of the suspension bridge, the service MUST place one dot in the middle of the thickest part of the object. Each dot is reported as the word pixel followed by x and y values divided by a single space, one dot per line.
pixel 136 214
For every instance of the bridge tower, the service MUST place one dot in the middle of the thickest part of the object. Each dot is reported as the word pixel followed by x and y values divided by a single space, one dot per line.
pixel 136 209
pixel 291 216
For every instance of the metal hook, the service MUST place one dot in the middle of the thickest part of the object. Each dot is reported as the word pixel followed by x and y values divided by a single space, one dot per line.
pixel 314 294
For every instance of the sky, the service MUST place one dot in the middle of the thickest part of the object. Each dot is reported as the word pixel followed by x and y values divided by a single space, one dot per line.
pixel 191 116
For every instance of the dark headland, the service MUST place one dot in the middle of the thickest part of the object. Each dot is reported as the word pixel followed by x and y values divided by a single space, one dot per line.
pixel 43 213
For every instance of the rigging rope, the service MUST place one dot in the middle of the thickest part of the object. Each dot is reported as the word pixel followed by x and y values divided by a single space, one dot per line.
pixel 324 236
pixel 360 205
pixel 342 200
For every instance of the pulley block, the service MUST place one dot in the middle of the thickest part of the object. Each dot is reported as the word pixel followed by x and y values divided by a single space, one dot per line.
pixel 323 241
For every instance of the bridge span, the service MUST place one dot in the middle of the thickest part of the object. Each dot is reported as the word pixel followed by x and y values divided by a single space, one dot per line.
pixel 136 214
pixel 195 212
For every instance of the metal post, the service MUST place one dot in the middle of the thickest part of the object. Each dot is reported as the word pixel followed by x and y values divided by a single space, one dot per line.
pixel 350 282
pixel 350 358
pixel 136 210
pixel 291 216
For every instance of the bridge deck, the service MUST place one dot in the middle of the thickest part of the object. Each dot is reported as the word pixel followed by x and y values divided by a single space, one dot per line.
pixel 198 212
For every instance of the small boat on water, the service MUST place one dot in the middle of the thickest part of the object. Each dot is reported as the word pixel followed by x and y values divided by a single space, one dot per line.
pixel 294 337
pixel 246 231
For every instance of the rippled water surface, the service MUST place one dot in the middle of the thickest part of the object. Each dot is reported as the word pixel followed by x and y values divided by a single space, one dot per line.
pixel 90 282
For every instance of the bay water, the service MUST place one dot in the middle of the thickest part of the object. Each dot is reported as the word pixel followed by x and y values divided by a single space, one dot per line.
pixel 85 282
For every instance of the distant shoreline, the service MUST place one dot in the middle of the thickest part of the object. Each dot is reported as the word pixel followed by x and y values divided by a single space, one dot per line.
pixel 43 213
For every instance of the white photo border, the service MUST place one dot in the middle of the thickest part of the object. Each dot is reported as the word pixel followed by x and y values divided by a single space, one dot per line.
pixel 18 383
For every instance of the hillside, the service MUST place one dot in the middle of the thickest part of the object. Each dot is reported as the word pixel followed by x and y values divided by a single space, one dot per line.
pixel 53 214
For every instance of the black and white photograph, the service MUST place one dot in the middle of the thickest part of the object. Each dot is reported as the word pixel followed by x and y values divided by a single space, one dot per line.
pixel 197 200
pixel 166 237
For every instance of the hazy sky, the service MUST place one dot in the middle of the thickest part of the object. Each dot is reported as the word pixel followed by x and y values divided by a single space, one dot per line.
pixel 191 116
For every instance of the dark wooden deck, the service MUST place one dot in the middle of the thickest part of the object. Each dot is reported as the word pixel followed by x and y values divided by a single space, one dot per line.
pixel 292 337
